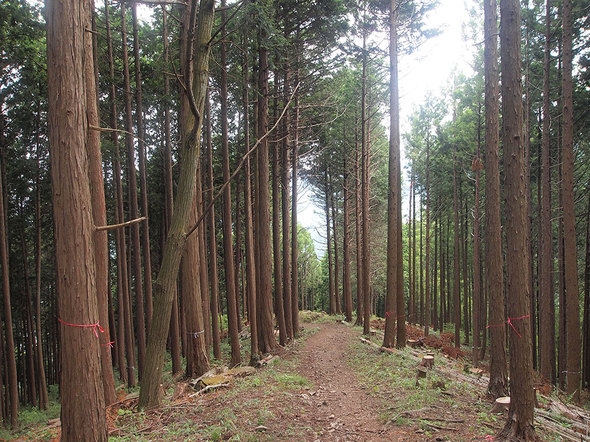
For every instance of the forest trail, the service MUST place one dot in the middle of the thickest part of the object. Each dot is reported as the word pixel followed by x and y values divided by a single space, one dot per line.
pixel 341 407
pixel 325 386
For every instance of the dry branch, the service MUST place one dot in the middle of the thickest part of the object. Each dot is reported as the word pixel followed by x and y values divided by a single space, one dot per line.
pixel 117 226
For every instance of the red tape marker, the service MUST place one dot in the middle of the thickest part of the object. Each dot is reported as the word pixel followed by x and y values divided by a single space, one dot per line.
pixel 509 322
pixel 92 326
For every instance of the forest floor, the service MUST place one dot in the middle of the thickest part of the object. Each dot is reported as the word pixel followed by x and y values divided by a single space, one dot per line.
pixel 327 386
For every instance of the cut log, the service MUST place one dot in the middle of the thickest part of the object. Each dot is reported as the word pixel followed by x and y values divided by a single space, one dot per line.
pixel 427 361
pixel 414 343
pixel 420 374
pixel 476 371
pixel 501 405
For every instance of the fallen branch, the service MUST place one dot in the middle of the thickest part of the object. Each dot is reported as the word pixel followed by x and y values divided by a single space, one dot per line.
pixel 209 388
pixel 118 226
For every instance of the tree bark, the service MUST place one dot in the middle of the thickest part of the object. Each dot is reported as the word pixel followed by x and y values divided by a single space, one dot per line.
pixel 228 251
pixel 365 257
pixel 145 237
pixel 285 205
pixel 280 280
pixel 572 306
pixel 546 257
pixel 456 259
pixel 498 385
pixel 294 245
pixel 213 273
pixel 267 342
pixel 136 282
pixel 520 416
pixel 70 84
pixel 392 315
pixel 197 63
pixel 346 284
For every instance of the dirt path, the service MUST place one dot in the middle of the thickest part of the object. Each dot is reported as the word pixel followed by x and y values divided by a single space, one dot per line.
pixel 337 404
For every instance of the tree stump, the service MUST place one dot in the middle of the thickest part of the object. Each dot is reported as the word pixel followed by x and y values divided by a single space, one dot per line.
pixel 413 343
pixel 501 405
pixel 476 371
pixel 420 374
pixel 427 361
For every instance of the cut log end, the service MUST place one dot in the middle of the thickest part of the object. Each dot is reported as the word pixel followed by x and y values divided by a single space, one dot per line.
pixel 501 405
pixel 427 361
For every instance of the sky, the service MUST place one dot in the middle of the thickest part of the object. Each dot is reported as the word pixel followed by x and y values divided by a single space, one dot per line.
pixel 427 70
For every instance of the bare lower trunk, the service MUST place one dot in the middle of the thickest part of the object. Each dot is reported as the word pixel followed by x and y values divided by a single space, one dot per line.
pixel 520 417
pixel 70 85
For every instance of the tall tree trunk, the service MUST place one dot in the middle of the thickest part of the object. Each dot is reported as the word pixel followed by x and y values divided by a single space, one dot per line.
pixel 456 259
pixel 546 258
pixel 228 251
pixel 569 213
pixel 10 361
pixel 212 259
pixel 197 58
pixel 267 341
pixel 43 395
pixel 145 237
pixel 358 231
pixel 520 416
pixel 280 280
pixel 365 258
pixel 586 323
pixel 336 261
pixel 285 206
pixel 197 354
pixel 126 370
pixel 346 285
pixel 71 82
pixel 248 221
pixel 137 282
pixel 498 385
pixel 331 290
pixel 294 246
pixel 464 251
pixel 476 312
pixel 95 177
pixel 393 316
pixel 427 257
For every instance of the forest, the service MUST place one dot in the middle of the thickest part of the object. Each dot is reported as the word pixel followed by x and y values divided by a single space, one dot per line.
pixel 154 158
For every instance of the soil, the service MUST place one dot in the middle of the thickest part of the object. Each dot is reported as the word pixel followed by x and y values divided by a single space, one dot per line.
pixel 343 409
pixel 325 387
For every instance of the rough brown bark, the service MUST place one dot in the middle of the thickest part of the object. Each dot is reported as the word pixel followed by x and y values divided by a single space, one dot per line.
pixel 456 259
pixel 280 280
pixel 572 304
pixel 43 395
pixel 346 284
pixel 213 274
pixel 10 362
pixel 228 250
pixel 249 223
pixel 520 417
pixel 136 282
pixel 145 237
pixel 358 233
pixel 498 385
pixel 95 177
pixel 546 257
pixel 82 411
pixel 365 257
pixel 267 342
pixel 476 312
pixel 200 25
pixel 294 246
pixel 285 205
pixel 392 317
